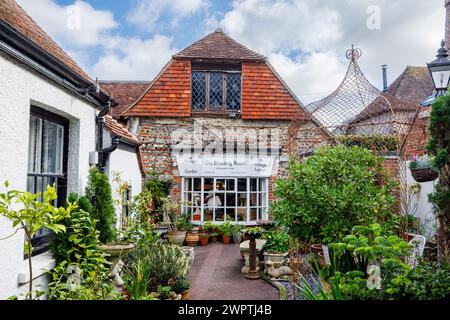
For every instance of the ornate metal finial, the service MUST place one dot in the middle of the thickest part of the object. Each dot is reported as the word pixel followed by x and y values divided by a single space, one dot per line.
pixel 353 53
pixel 442 52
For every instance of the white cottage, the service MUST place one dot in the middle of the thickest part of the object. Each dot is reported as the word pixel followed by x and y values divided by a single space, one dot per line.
pixel 53 128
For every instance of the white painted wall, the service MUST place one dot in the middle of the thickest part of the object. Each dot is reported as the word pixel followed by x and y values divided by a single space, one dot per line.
pixel 19 88
pixel 424 207
pixel 125 161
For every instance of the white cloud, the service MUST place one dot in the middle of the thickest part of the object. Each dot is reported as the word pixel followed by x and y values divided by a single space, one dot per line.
pixel 78 25
pixel 147 13
pixel 133 59
pixel 320 32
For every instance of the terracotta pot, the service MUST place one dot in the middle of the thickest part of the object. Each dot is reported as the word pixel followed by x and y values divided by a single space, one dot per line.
pixel 177 237
pixel 226 239
pixel 322 261
pixel 203 241
pixel 192 239
pixel 185 295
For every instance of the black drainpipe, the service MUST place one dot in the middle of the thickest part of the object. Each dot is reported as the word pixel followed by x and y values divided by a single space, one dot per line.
pixel 103 153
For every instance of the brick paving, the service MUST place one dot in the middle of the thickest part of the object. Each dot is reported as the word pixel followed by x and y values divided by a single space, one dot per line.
pixel 216 275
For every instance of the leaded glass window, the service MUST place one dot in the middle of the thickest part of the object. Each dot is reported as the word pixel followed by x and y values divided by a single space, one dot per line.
pixel 215 91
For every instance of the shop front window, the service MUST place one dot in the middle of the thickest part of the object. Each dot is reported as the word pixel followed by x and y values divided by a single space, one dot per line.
pixel 241 200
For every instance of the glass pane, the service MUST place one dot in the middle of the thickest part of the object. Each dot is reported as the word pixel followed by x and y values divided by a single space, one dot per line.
pixel 242 184
pixel 198 80
pixel 208 214
pixel 241 214
pixel 34 145
pixel 209 184
pixel 31 181
pixel 187 184
pixel 231 214
pixel 231 185
pixel 262 184
pixel 215 90
pixel 231 200
pixel 219 214
pixel 197 184
pixel 242 200
pixel 219 200
pixel 234 91
pixel 220 184
pixel 52 148
pixel 253 184
pixel 254 199
pixel 253 214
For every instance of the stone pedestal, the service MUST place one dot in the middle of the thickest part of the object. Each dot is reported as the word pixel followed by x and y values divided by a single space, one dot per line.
pixel 245 253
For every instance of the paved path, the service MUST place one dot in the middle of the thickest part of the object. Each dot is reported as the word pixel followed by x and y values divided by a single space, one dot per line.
pixel 216 275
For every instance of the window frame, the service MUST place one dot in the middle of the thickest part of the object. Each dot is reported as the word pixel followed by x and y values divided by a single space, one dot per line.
pixel 262 196
pixel 207 108
pixel 40 242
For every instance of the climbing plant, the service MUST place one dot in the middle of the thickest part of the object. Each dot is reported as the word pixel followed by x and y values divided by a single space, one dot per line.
pixel 439 147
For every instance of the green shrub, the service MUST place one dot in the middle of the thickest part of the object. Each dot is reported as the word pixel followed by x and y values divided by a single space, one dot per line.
pixel 98 192
pixel 428 281
pixel 332 191
pixel 226 229
pixel 377 143
pixel 80 232
pixel 278 241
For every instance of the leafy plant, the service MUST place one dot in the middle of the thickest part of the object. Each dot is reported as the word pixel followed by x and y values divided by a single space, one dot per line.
pixel 332 191
pixel 421 162
pixel 80 235
pixel 254 230
pixel 31 214
pixel 439 147
pixel 98 192
pixel 226 229
pixel 181 285
pixel 278 241
pixel 164 291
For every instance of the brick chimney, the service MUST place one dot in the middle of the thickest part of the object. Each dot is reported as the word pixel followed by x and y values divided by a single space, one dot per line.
pixel 447 24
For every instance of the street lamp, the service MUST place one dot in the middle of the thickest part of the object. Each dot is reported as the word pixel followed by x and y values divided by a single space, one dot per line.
pixel 440 71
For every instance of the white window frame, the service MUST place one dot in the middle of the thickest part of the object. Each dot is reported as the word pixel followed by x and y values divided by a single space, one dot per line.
pixel 262 207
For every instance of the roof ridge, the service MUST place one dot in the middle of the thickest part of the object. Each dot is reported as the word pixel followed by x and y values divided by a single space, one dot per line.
pixel 12 13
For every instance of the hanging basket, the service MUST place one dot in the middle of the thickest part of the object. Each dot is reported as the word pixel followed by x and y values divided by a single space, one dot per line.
pixel 424 174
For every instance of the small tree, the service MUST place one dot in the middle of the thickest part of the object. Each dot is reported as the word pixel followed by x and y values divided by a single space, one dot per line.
pixel 332 191
pixel 31 215
pixel 99 194
pixel 439 146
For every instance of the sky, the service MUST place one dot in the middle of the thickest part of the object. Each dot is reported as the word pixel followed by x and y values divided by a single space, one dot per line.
pixel 305 40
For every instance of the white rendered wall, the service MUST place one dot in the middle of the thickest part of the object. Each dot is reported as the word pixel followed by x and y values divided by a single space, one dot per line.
pixel 21 87
pixel 123 160
pixel 424 207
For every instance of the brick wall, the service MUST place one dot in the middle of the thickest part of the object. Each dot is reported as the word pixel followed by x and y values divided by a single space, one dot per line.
pixel 417 137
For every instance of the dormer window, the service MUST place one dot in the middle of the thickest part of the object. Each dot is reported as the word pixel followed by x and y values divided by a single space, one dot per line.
pixel 215 90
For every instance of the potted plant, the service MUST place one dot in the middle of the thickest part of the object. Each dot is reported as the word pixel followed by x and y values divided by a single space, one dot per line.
pixel 422 170
pixel 203 238
pixel 237 233
pixel 213 236
pixel 182 286
pixel 226 230
pixel 179 224
pixel 277 246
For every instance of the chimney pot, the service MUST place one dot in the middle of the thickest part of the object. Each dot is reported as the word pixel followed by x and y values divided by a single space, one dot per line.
pixel 385 81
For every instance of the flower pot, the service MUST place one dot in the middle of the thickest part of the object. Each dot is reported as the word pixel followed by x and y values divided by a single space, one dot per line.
pixel 316 248
pixel 204 241
pixel 160 229
pixel 177 237
pixel 195 230
pixel 237 237
pixel 424 174
pixel 191 240
pixel 185 295
pixel 322 261
pixel 226 239
pixel 277 258
pixel 213 239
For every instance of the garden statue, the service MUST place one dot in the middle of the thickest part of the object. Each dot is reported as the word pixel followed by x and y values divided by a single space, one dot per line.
pixel 277 273
pixel 116 275
pixel 74 280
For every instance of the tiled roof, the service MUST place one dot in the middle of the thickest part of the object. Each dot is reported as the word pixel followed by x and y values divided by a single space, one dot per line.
pixel 120 130
pixel 124 93
pixel 14 15
pixel 383 104
pixel 414 85
pixel 218 45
